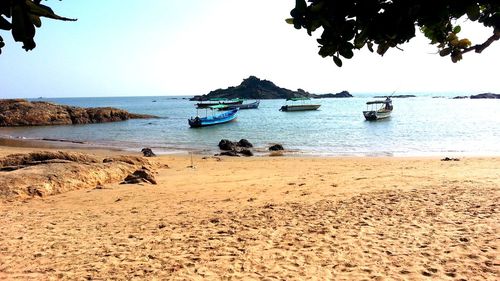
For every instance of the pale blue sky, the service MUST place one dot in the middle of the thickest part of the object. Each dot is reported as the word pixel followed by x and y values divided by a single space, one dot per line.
pixel 189 47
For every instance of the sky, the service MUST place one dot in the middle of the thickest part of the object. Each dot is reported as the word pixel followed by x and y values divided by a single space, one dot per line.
pixel 190 47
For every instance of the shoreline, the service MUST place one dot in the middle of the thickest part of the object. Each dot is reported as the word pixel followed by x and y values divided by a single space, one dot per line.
pixel 259 152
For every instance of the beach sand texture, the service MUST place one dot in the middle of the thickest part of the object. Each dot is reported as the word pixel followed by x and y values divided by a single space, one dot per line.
pixel 266 219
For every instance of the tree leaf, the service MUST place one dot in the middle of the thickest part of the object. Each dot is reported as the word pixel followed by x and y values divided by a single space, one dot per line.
pixel 444 52
pixel 337 61
pixel 44 11
pixel 457 29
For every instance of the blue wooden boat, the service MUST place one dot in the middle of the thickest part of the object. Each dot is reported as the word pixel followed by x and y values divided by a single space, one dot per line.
pixel 214 119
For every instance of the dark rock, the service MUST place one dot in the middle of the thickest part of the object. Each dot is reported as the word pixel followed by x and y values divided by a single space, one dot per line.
pixel 244 143
pixel 246 152
pixel 147 152
pixel 20 112
pixel 276 147
pixel 232 153
pixel 139 176
pixel 225 144
pixel 450 159
pixel 486 96
pixel 460 97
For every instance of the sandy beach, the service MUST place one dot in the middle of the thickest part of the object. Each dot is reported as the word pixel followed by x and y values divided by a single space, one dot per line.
pixel 264 218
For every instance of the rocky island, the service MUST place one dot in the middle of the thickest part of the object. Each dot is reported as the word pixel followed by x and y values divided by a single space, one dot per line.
pixel 486 96
pixel 255 88
pixel 20 112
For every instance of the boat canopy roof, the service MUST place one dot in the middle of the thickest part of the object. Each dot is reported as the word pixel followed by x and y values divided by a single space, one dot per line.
pixel 217 99
pixel 297 99
pixel 377 102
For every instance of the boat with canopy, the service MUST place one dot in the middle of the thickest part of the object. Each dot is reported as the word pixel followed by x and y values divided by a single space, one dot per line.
pixel 213 119
pixel 376 110
pixel 299 105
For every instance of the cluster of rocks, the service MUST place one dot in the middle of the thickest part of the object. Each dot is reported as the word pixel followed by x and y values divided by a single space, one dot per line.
pixel 242 148
pixel 20 112
pixel 238 148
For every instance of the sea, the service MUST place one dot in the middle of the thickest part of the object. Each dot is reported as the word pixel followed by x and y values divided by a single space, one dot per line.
pixel 425 125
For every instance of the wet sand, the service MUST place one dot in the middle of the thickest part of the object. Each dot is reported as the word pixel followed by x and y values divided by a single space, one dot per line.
pixel 266 218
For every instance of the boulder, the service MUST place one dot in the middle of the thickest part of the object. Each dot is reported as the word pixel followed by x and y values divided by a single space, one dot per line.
pixel 460 97
pixel 246 152
pixel 147 152
pixel 140 176
pixel 20 112
pixel 225 144
pixel 276 147
pixel 245 143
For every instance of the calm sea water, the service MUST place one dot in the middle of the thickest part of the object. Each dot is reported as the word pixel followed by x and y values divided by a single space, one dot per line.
pixel 418 126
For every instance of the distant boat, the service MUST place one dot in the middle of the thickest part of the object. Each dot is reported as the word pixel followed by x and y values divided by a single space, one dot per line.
pixel 252 105
pixel 299 107
pixel 376 110
pixel 214 119
pixel 218 101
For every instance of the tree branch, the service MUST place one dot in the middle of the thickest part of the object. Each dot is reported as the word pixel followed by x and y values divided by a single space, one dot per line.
pixel 480 47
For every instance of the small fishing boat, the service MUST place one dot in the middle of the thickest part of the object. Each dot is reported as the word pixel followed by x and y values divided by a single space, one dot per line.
pixel 252 105
pixel 376 110
pixel 299 107
pixel 218 101
pixel 213 119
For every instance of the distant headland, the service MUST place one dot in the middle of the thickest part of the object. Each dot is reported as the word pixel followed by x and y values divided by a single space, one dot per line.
pixel 255 88
pixel 20 112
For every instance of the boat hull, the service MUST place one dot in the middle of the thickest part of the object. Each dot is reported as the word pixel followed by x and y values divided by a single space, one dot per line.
pixel 222 118
pixel 209 104
pixel 252 105
pixel 372 115
pixel 301 107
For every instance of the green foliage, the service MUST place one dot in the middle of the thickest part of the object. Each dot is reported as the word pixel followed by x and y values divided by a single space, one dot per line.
pixel 24 18
pixel 353 24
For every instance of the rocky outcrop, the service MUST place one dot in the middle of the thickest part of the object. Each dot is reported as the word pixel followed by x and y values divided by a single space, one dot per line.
pixel 45 173
pixel 255 88
pixel 460 97
pixel 486 96
pixel 20 112
pixel 343 94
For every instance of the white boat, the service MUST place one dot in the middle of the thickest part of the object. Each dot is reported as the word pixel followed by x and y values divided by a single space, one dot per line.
pixel 376 110
pixel 299 107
